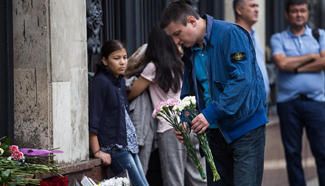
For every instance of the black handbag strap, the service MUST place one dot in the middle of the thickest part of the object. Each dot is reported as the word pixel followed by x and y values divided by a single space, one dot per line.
pixel 316 34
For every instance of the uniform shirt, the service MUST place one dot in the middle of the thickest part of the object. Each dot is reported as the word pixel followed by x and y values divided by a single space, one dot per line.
pixel 290 85
pixel 260 60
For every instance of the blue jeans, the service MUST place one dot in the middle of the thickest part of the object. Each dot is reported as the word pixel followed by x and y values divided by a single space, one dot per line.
pixel 123 159
pixel 239 163
pixel 294 116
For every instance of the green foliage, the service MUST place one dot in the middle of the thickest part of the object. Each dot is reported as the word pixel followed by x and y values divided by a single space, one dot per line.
pixel 7 178
pixel 21 172
pixel 5 144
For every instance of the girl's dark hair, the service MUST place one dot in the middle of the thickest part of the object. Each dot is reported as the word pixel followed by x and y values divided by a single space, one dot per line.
pixel 108 47
pixel 162 51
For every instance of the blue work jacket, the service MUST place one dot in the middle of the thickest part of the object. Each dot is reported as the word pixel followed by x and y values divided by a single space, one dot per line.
pixel 235 81
pixel 107 104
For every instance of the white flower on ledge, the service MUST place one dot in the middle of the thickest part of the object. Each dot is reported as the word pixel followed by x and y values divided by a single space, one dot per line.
pixel 115 182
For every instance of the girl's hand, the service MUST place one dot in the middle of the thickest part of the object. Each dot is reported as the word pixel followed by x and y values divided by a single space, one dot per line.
pixel 179 136
pixel 105 157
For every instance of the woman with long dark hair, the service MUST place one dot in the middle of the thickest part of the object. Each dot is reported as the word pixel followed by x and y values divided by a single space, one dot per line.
pixel 162 74
pixel 112 134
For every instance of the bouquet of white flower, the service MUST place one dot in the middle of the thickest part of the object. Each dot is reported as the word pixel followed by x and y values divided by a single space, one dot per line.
pixel 187 108
pixel 166 111
pixel 176 113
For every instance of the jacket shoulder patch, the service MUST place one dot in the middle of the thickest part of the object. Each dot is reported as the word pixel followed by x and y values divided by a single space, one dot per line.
pixel 238 56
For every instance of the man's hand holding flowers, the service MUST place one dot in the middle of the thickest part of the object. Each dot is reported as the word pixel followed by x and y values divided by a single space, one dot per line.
pixel 180 114
pixel 200 124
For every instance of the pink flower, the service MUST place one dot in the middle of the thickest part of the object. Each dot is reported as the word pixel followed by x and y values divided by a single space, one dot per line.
pixel 154 113
pixel 13 148
pixel 158 108
pixel 16 155
pixel 172 102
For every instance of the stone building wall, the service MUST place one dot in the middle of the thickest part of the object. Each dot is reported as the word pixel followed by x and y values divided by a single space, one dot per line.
pixel 50 76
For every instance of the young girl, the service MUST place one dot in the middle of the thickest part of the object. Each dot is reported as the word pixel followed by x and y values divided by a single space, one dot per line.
pixel 163 75
pixel 112 134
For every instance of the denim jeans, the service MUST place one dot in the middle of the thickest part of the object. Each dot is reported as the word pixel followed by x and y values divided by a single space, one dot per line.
pixel 294 116
pixel 123 159
pixel 239 163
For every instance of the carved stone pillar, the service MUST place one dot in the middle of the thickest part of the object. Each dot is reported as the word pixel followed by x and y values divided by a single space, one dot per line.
pixel 94 30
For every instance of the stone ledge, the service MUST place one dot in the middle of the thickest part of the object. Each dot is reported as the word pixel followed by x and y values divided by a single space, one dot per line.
pixel 80 166
pixel 92 168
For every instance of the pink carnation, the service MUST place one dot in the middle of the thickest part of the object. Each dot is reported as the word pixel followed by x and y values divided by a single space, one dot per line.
pixel 172 102
pixel 154 113
pixel 13 148
pixel 16 155
pixel 158 108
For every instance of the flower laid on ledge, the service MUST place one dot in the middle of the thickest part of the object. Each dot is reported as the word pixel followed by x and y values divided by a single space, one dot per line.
pixel 55 181
pixel 179 115
pixel 115 181
pixel 1 151
pixel 120 180
pixel 15 153
pixel 17 167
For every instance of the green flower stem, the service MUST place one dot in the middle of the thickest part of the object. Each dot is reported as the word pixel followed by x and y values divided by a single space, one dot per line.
pixel 204 144
pixel 191 152
pixel 172 118
pixel 207 151
pixel 23 174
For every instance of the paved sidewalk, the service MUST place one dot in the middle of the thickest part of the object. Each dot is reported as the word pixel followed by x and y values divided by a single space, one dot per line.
pixel 313 182
pixel 275 173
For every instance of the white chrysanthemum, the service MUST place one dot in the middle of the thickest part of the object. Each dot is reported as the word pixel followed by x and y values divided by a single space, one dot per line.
pixel 115 182
pixel 187 101
pixel 1 151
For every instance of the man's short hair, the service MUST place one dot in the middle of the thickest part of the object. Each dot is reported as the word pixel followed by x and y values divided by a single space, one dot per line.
pixel 235 4
pixel 295 2
pixel 177 11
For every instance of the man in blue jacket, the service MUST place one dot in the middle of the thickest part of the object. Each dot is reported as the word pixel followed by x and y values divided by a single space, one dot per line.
pixel 222 72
